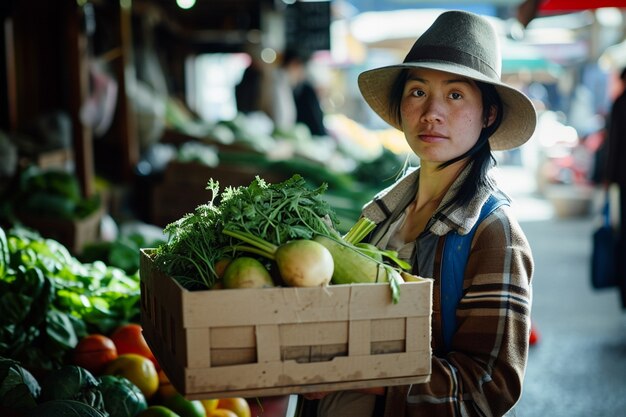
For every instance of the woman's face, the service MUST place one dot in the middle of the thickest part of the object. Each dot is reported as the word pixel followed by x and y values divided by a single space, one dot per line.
pixel 442 114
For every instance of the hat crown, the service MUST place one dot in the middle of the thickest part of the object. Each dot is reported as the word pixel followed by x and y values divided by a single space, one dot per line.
pixel 463 39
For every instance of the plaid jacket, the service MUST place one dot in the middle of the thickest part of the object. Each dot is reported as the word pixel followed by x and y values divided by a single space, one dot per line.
pixel 482 374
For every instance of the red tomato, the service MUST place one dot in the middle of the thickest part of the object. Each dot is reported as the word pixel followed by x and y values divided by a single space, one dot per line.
pixel 129 339
pixel 93 352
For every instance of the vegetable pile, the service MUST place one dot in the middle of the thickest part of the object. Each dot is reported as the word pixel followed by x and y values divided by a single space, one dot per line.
pixel 49 300
pixel 49 193
pixel 276 213
pixel 266 234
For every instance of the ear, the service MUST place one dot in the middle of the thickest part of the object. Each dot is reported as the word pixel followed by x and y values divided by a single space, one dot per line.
pixel 491 117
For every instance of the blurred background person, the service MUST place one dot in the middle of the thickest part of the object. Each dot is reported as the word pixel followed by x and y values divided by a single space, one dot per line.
pixel 308 108
pixel 616 171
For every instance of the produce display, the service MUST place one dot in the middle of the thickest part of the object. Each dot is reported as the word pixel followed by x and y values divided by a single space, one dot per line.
pixel 127 385
pixel 49 300
pixel 272 234
pixel 50 193
pixel 355 161
pixel 70 342
pixel 69 339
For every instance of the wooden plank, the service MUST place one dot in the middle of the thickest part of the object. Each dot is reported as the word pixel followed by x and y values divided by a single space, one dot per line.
pixel 268 343
pixel 360 338
pixel 198 348
pixel 78 69
pixel 11 71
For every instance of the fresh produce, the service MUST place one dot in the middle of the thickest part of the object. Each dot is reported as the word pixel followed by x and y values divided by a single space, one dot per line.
pixel 93 352
pixel 19 390
pixel 184 407
pixel 121 397
pixel 222 412
pixel 301 262
pixel 128 338
pixel 49 300
pixel 71 382
pixel 122 252
pixel 4 253
pixel 238 405
pixel 351 265
pixel 358 263
pixel 370 250
pixel 276 213
pixel 246 272
pixel 51 193
pixel 165 386
pixel 137 369
pixel 209 404
pixel 157 411
pixel 64 408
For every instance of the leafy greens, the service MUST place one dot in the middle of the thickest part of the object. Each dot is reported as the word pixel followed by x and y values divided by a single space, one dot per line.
pixel 275 212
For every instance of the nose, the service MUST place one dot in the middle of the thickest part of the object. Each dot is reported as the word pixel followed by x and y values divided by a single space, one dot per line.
pixel 432 112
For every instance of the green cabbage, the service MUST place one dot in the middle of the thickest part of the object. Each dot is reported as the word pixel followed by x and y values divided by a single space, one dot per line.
pixel 121 397
pixel 19 389
pixel 71 382
pixel 64 408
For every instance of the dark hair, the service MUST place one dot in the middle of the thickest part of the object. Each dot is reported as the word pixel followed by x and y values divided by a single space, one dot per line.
pixel 480 155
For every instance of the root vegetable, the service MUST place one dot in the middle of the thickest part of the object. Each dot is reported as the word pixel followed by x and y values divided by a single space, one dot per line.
pixel 246 272
pixel 301 262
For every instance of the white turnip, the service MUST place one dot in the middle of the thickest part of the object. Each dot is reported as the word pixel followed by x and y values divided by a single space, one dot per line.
pixel 300 262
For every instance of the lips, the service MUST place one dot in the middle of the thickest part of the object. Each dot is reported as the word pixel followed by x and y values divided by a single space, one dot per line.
pixel 432 136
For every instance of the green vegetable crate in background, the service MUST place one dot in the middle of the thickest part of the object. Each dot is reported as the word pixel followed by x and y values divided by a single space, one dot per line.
pixel 74 234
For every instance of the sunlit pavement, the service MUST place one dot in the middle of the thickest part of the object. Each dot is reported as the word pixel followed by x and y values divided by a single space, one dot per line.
pixel 578 367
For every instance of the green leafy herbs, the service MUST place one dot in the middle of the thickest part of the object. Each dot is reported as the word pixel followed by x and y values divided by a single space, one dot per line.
pixel 276 213
pixel 48 300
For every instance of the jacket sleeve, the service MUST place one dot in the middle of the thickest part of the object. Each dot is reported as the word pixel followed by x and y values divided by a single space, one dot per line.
pixel 482 374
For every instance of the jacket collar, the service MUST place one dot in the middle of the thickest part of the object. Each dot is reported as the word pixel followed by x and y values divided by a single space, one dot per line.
pixel 390 202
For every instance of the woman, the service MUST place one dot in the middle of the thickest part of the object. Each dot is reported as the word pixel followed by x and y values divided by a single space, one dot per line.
pixel 448 100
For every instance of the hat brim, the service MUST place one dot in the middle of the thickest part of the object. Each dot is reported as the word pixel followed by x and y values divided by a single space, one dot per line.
pixel 519 117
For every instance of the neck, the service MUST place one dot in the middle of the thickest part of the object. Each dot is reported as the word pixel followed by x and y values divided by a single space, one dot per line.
pixel 434 182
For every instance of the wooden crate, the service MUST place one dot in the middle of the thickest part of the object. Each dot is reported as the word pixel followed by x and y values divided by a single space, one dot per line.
pixel 227 175
pixel 184 187
pixel 285 340
pixel 74 234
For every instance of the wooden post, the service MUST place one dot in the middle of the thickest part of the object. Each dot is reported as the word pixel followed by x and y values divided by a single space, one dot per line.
pixel 78 67
pixel 127 129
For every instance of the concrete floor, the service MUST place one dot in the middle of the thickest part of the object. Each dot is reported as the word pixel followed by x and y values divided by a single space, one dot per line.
pixel 578 368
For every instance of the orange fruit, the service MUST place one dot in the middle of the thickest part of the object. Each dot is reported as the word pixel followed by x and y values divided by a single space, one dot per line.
pixel 209 404
pixel 166 388
pixel 184 407
pixel 137 369
pixel 238 405
pixel 157 411
pixel 222 412
pixel 93 352
pixel 128 338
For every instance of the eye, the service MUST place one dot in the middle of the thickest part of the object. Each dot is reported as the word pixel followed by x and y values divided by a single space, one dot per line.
pixel 417 92
pixel 455 96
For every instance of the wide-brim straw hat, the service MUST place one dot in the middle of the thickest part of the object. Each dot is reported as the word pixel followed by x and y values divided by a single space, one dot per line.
pixel 460 43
